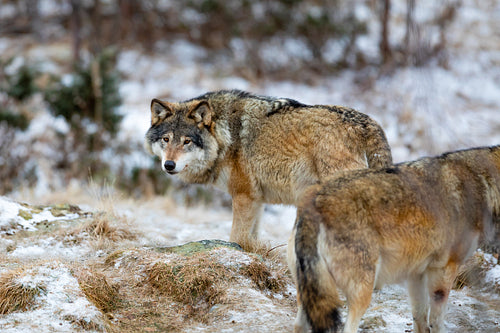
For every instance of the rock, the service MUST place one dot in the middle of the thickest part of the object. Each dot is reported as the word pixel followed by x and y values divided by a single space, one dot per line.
pixel 25 214
pixel 199 246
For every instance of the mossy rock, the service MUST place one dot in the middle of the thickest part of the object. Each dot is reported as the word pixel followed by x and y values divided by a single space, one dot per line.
pixel 64 209
pixel 32 209
pixel 25 214
pixel 63 213
pixel 191 248
pixel 57 210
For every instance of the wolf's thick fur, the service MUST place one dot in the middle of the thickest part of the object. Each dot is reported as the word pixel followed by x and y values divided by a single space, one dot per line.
pixel 416 221
pixel 261 149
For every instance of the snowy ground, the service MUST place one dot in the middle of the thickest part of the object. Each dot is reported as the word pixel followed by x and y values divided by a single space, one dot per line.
pixel 424 111
pixel 48 260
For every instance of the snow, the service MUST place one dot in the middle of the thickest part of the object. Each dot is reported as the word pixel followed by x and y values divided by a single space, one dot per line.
pixel 8 211
pixel 50 248
pixel 60 302
pixel 33 251
pixel 10 215
pixel 493 274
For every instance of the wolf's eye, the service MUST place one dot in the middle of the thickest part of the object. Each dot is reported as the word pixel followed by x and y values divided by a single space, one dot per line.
pixel 187 141
pixel 166 139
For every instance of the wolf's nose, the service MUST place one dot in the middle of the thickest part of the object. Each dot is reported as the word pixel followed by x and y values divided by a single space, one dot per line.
pixel 169 165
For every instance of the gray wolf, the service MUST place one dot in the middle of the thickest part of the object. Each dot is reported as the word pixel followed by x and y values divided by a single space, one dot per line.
pixel 416 221
pixel 260 149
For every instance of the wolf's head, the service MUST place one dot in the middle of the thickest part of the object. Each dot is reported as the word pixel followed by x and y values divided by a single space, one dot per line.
pixel 182 136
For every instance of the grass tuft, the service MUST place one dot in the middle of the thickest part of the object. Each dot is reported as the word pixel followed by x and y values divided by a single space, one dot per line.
pixel 196 282
pixel 263 278
pixel 97 290
pixel 101 227
pixel 87 324
pixel 471 274
pixel 16 296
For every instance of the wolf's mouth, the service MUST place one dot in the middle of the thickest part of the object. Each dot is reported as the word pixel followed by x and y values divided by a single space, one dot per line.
pixel 173 172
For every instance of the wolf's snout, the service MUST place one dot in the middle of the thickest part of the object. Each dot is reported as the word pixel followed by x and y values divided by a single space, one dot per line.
pixel 169 165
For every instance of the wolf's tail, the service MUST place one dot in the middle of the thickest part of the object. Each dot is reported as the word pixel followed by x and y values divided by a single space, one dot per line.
pixel 316 287
pixel 378 151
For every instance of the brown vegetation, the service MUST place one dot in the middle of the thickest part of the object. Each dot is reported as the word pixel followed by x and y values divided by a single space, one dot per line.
pixel 16 296
pixel 263 277
pixel 98 290
pixel 472 274
pixel 196 282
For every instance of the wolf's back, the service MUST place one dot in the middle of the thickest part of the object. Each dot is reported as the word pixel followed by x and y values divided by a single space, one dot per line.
pixel 378 152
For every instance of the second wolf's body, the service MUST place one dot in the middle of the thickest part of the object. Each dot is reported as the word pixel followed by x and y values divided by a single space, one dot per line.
pixel 417 222
pixel 261 149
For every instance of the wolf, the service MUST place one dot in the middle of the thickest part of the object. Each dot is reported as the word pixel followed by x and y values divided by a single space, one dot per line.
pixel 415 221
pixel 260 149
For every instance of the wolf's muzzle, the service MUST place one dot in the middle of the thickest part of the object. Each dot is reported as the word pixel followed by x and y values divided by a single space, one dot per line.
pixel 169 166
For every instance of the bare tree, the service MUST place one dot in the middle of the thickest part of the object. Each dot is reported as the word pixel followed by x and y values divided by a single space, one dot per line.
pixel 412 35
pixel 33 15
pixel 384 46
pixel 76 27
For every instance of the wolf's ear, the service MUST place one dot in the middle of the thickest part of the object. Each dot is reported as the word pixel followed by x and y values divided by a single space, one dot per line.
pixel 160 110
pixel 202 114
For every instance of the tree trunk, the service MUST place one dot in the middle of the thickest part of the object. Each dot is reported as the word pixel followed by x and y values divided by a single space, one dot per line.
pixel 385 48
pixel 76 25
pixel 411 36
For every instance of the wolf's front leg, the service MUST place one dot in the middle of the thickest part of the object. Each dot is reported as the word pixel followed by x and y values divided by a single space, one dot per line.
pixel 246 217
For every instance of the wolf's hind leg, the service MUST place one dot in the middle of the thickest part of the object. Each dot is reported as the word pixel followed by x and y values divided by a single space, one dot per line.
pixel 358 300
pixel 440 282
pixel 417 288
pixel 300 325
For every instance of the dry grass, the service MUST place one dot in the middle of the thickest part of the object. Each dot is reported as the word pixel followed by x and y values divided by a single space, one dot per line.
pixel 101 226
pixel 113 257
pixel 158 291
pixel 470 274
pixel 160 296
pixel 87 325
pixel 143 312
pixel 473 272
pixel 196 282
pixel 263 277
pixel 101 229
pixel 15 296
pixel 98 290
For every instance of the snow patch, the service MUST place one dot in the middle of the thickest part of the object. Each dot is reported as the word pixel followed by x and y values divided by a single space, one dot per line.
pixel 493 274
pixel 9 211
pixel 14 215
pixel 57 308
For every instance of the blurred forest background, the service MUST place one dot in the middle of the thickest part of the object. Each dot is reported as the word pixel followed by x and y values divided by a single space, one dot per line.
pixel 257 41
